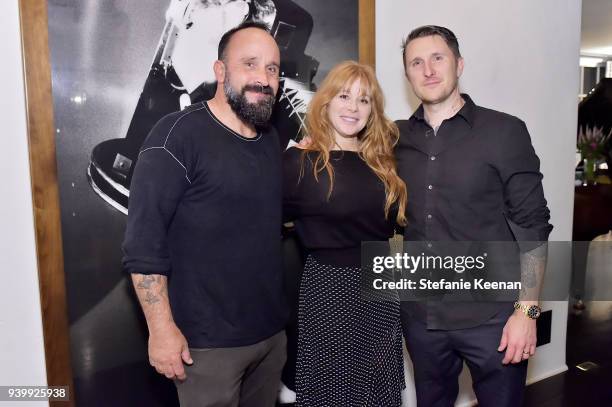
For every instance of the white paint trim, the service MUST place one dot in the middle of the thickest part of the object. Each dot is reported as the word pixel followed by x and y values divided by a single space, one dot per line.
pixel 546 375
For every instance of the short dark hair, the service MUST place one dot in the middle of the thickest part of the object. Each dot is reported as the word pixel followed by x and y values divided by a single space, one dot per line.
pixel 428 30
pixel 225 39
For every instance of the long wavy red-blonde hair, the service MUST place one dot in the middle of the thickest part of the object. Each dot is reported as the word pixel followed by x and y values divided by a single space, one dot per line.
pixel 378 137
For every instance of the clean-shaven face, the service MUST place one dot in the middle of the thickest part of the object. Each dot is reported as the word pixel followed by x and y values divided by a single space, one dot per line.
pixel 349 110
pixel 432 69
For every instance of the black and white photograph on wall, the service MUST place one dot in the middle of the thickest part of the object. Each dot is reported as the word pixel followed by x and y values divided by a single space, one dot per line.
pixel 118 66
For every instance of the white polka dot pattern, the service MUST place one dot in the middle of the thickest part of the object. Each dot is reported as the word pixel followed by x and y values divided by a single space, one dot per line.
pixel 349 349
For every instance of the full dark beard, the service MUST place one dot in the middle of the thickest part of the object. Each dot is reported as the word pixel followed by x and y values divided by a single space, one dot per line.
pixel 258 113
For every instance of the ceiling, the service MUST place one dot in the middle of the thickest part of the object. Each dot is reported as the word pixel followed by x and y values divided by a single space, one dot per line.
pixel 596 36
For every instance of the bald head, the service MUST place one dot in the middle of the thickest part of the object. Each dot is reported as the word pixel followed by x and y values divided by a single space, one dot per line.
pixel 251 41
pixel 226 38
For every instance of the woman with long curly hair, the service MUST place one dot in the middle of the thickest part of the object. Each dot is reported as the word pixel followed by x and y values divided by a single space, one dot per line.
pixel 340 190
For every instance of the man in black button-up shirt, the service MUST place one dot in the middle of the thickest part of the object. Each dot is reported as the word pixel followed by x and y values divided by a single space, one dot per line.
pixel 472 175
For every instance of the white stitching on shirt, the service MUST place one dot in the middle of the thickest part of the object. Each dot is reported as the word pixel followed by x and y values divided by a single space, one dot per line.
pixel 171 155
pixel 180 163
pixel 177 120
pixel 166 141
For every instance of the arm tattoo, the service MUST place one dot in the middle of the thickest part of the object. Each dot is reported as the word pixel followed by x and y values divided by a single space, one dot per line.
pixel 152 293
pixel 146 282
pixel 528 271
pixel 151 298
pixel 533 266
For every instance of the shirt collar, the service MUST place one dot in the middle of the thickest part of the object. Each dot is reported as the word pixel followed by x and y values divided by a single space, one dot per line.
pixel 466 111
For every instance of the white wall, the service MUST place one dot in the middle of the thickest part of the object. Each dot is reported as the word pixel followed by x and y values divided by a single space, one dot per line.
pixel 22 359
pixel 521 57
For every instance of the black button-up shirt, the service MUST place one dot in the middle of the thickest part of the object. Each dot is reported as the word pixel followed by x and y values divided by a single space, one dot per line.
pixel 476 179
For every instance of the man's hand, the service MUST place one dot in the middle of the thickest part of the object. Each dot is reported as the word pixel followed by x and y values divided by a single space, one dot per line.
pixel 168 347
pixel 305 142
pixel 168 350
pixel 518 338
pixel 519 334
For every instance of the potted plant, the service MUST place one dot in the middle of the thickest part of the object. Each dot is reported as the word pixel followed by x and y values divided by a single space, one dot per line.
pixel 592 144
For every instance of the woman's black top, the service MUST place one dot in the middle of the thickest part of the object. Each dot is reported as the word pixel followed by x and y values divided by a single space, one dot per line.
pixel 332 229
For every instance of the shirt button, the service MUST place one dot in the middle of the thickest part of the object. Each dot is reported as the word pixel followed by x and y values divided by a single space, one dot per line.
pixel 429 245
pixel 432 158
pixel 429 216
pixel 430 187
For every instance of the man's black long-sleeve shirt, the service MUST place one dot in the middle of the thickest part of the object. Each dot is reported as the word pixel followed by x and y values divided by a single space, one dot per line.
pixel 476 179
pixel 205 210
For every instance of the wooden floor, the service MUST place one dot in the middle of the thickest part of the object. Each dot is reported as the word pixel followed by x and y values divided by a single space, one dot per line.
pixel 589 339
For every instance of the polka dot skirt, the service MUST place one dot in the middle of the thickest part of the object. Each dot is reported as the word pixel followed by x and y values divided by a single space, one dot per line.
pixel 349 349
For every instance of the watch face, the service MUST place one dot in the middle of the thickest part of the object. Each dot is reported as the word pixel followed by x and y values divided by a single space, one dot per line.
pixel 534 311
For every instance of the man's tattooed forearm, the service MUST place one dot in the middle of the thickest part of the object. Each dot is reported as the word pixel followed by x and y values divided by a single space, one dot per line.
pixel 152 293
pixel 528 272
pixel 146 282
pixel 151 298
pixel 533 266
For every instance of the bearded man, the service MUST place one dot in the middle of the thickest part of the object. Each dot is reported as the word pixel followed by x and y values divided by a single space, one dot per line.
pixel 203 237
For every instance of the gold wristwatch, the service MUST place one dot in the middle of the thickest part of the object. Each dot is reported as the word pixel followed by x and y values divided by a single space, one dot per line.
pixel 531 311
